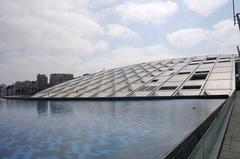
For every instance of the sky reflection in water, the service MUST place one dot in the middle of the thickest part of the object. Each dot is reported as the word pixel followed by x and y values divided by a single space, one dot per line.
pixel 106 129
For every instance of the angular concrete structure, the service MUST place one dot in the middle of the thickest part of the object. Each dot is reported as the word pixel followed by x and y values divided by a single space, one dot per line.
pixel 190 76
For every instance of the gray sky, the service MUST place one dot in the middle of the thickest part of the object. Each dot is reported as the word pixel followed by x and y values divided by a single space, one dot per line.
pixel 80 36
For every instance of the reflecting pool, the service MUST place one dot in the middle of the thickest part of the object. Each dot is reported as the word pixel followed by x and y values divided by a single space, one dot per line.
pixel 97 129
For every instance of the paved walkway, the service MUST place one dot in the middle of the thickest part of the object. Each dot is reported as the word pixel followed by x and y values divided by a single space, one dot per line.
pixel 231 144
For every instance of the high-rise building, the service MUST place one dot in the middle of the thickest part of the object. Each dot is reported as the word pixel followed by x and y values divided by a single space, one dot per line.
pixel 25 88
pixel 3 90
pixel 59 78
pixel 42 82
pixel 11 90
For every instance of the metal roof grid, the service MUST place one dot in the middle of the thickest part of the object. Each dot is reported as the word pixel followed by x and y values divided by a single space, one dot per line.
pixel 125 81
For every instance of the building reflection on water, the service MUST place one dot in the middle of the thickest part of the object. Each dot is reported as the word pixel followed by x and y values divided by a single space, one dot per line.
pixel 42 107
pixel 59 107
pixel 45 107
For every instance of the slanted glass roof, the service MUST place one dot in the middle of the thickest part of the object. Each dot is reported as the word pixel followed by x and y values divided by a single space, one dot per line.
pixel 202 75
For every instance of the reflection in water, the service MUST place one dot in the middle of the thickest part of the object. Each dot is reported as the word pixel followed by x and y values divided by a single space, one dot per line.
pixel 55 107
pixel 42 107
pixel 59 107
pixel 103 129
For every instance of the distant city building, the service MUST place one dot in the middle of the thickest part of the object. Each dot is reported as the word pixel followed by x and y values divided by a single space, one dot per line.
pixel 19 86
pixel 42 82
pixel 3 90
pixel 25 88
pixel 59 78
pixel 28 88
pixel 11 90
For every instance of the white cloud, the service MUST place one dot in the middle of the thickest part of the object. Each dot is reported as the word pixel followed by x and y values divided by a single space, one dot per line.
pixel 23 68
pixel 188 37
pixel 50 27
pixel 204 7
pixel 119 31
pixel 47 36
pixel 128 55
pixel 100 4
pixel 151 12
pixel 223 36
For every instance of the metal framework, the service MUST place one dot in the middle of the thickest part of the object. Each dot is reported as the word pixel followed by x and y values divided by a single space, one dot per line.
pixel 236 16
pixel 238 50
pixel 238 20
pixel 195 76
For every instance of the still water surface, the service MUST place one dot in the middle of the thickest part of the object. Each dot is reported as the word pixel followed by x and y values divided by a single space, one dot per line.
pixel 103 129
